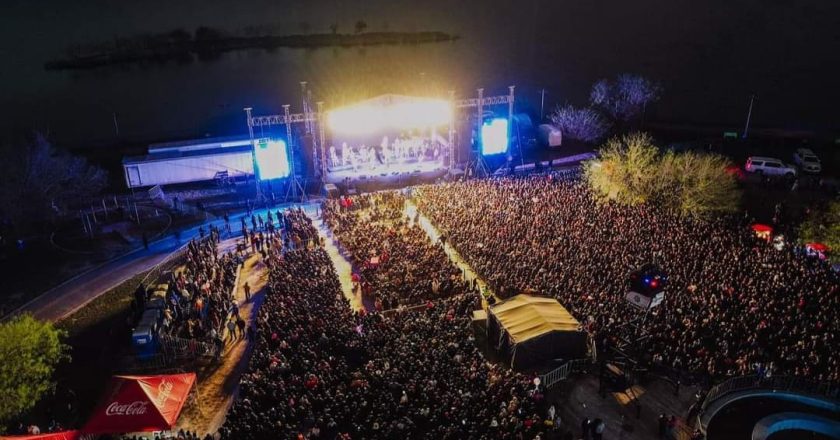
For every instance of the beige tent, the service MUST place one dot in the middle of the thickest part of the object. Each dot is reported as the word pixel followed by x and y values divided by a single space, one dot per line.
pixel 531 329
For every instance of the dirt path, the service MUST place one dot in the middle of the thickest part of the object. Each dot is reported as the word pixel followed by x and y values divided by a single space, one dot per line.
pixel 217 383
pixel 434 235
pixel 342 267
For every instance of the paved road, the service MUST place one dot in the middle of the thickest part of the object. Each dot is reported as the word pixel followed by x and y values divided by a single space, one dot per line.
pixel 66 298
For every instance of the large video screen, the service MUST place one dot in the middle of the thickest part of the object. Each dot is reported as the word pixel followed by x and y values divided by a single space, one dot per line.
pixel 272 159
pixel 494 137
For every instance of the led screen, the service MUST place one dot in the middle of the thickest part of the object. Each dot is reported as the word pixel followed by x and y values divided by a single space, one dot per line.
pixel 494 137
pixel 272 159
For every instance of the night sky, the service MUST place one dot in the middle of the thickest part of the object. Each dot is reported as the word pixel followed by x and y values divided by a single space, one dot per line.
pixel 709 55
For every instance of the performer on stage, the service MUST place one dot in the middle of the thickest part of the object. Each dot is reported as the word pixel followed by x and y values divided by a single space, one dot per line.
pixel 333 157
pixel 345 154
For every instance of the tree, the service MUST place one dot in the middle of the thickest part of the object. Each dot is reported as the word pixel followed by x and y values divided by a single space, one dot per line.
pixel 823 226
pixel 305 27
pixel 701 184
pixel 626 98
pixel 631 171
pixel 583 124
pixel 30 350
pixel 39 181
pixel 625 170
pixel 334 28
pixel 360 26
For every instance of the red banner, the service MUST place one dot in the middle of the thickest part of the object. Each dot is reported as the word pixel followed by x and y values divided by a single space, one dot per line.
pixel 141 404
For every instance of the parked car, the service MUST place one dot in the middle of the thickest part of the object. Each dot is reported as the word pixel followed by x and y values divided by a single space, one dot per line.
pixel 807 160
pixel 769 166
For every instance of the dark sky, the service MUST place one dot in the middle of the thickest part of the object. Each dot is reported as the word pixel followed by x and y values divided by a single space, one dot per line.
pixel 709 55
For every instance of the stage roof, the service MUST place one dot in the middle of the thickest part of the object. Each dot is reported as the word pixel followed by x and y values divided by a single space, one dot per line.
pixel 392 111
pixel 525 317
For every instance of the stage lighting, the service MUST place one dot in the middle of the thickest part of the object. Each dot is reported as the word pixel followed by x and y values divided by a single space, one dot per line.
pixel 389 112
pixel 494 137
pixel 272 159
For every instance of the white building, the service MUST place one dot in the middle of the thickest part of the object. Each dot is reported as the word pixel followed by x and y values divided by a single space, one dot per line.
pixel 189 161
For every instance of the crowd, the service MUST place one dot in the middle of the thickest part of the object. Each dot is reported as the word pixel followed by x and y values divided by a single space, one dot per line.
pixel 319 370
pixel 734 305
pixel 396 264
pixel 198 299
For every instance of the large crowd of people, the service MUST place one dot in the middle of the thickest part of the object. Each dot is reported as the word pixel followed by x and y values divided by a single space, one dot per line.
pixel 734 304
pixel 395 262
pixel 319 370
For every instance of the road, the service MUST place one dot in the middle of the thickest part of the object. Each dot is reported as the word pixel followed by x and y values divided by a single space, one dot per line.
pixel 73 294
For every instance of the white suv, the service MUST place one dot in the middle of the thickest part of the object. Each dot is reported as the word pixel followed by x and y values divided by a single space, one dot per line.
pixel 769 166
pixel 807 160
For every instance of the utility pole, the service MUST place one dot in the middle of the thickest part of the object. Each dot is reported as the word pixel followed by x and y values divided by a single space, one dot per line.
pixel 542 104
pixel 749 116
pixel 116 125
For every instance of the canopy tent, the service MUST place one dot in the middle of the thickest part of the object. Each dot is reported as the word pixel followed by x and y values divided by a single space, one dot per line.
pixel 531 329
pixel 141 404
pixel 61 435
pixel 817 247
pixel 762 231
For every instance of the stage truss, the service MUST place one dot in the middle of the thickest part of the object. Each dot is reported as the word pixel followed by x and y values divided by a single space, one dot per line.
pixel 318 119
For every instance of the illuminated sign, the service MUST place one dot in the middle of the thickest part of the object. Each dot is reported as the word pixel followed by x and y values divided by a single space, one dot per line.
pixel 494 137
pixel 272 159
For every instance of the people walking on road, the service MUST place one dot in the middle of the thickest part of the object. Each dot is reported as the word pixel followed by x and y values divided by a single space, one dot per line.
pixel 231 326
pixel 240 324
pixel 585 428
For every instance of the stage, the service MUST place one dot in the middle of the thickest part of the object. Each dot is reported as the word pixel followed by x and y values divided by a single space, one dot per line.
pixel 387 173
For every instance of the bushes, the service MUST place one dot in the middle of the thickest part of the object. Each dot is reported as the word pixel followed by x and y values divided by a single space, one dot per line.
pixel 631 170
pixel 30 350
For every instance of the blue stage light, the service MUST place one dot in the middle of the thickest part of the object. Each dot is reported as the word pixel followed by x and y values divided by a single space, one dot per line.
pixel 494 137
pixel 272 159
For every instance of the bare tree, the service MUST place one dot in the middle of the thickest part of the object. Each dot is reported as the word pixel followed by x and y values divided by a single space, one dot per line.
pixel 360 26
pixel 305 27
pixel 626 98
pixel 334 28
pixel 38 178
pixel 583 124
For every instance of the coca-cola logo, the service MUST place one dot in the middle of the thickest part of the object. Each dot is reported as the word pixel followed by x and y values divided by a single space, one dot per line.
pixel 164 390
pixel 135 408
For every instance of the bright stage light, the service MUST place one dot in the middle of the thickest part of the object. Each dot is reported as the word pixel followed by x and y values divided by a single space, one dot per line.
pixel 390 112
pixel 272 159
pixel 494 137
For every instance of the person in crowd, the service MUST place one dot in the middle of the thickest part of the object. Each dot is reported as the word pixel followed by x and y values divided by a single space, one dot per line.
pixel 319 369
pixel 732 301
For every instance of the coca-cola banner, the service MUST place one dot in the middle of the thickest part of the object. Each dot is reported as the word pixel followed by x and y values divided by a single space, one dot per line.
pixel 141 404
pixel 61 435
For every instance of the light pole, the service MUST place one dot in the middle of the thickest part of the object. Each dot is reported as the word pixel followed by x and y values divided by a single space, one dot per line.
pixel 749 116
pixel 542 105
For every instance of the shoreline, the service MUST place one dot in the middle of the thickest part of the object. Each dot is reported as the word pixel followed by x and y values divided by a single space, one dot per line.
pixel 208 49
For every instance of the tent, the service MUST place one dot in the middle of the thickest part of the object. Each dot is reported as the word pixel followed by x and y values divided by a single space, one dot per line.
pixel 762 231
pixel 530 330
pixel 141 404
pixel 61 435
pixel 817 247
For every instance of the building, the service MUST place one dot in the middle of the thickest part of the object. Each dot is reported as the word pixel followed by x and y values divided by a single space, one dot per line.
pixel 188 161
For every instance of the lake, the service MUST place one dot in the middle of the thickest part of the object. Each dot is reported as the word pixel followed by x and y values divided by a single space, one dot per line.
pixel 709 56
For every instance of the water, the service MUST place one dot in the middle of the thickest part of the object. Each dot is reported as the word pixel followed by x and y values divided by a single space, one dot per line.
pixel 709 55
